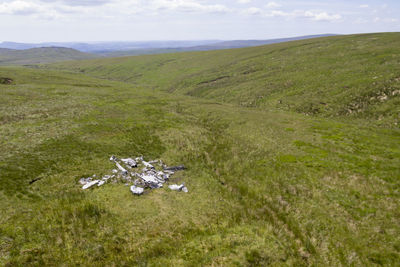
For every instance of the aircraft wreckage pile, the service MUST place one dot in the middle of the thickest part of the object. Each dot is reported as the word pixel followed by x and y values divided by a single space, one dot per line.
pixel 153 174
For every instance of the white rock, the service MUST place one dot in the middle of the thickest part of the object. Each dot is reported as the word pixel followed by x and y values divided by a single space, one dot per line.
pixel 101 183
pixel 88 185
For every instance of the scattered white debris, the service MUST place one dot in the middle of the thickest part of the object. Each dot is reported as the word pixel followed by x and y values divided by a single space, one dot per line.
pixel 152 181
pixel 176 187
pixel 147 177
pixel 175 168
pixel 130 163
pixel 84 181
pixel 137 190
pixel 124 172
pixel 90 184
pixel 147 165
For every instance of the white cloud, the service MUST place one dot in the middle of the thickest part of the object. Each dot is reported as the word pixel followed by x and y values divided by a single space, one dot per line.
pixel 310 14
pixel 272 5
pixel 169 19
pixel 322 16
pixel 19 8
pixel 187 6
pixel 279 13
pixel 360 21
pixel 253 11
pixel 78 2
pixel 391 20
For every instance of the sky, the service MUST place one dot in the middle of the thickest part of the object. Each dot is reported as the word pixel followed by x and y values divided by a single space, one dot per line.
pixel 141 20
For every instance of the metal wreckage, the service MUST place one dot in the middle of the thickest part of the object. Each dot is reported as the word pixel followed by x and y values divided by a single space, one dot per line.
pixel 142 174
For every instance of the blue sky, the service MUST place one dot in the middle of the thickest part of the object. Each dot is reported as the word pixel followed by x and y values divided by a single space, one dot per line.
pixel 130 20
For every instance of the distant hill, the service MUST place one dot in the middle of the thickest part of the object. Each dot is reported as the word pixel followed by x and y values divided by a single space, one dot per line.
pixel 104 47
pixel 118 49
pixel 346 75
pixel 250 43
pixel 207 47
pixel 40 55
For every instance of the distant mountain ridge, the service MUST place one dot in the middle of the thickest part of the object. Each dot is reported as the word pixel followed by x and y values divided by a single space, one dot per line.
pixel 101 47
pixel 40 55
pixel 215 46
pixel 30 54
pixel 154 47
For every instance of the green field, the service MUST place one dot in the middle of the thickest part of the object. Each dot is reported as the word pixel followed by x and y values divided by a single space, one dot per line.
pixel 292 150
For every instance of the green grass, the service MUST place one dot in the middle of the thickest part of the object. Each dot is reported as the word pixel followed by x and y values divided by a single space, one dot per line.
pixel 345 76
pixel 267 185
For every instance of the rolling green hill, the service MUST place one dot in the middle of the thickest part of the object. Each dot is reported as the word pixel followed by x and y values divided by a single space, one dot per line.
pixel 275 177
pixel 205 47
pixel 357 76
pixel 40 55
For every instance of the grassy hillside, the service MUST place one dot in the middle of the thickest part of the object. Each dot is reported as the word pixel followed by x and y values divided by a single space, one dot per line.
pixel 205 47
pixel 40 55
pixel 267 186
pixel 356 76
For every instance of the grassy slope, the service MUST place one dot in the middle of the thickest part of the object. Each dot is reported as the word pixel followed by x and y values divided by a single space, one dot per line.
pixel 40 55
pixel 343 75
pixel 215 46
pixel 267 186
